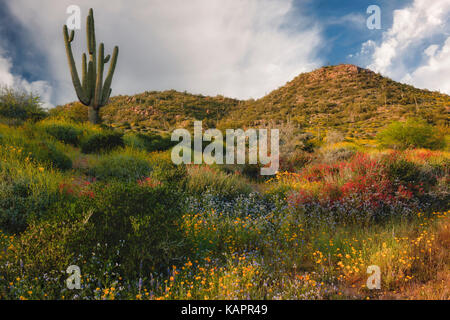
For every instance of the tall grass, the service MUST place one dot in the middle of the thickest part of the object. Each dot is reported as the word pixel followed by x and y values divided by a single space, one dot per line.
pixel 204 178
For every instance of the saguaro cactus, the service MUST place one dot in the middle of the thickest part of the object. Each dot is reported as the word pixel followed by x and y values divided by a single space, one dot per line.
pixel 91 91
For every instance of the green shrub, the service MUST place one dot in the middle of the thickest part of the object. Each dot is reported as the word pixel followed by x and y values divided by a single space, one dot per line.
pixel 44 248
pixel 74 112
pixel 406 172
pixel 411 134
pixel 203 178
pixel 251 171
pixel 46 153
pixel 140 221
pixel 165 170
pixel 121 167
pixel 32 145
pixel 102 141
pixel 148 142
pixel 64 133
pixel 17 105
pixel 337 154
pixel 21 200
pixel 403 171
pixel 133 140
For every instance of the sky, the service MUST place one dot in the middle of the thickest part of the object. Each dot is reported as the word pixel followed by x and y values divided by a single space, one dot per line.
pixel 237 48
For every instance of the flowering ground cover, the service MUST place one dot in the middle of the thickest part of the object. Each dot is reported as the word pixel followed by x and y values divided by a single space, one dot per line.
pixel 140 227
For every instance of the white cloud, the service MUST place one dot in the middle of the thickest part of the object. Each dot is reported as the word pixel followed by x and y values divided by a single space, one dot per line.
pixel 412 28
pixel 434 73
pixel 8 79
pixel 236 48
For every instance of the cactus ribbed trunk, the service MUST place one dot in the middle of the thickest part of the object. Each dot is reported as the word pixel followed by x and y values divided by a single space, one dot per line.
pixel 94 115
pixel 91 90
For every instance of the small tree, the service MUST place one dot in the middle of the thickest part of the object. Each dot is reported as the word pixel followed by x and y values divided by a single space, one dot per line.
pixel 19 105
pixel 91 91
pixel 414 133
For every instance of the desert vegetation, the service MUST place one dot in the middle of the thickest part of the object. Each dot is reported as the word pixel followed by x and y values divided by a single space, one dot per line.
pixel 139 227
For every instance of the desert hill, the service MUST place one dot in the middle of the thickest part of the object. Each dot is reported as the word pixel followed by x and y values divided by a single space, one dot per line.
pixel 344 97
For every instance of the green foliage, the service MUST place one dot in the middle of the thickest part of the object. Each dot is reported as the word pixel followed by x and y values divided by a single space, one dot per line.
pixel 102 141
pixel 121 167
pixel 47 153
pixel 411 134
pixel 409 173
pixel 203 178
pixel 44 248
pixel 65 133
pixel 16 105
pixel 140 221
pixel 75 112
pixel 26 192
pixel 165 170
pixel 148 142
pixel 403 171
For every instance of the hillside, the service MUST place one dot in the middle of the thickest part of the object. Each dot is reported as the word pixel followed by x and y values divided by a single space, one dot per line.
pixel 157 111
pixel 344 97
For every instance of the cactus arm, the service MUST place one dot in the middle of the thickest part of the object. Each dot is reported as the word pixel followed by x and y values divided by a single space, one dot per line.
pixel 73 68
pixel 109 77
pixel 105 99
pixel 91 80
pixel 94 43
pixel 99 84
pixel 84 74
pixel 90 36
pixel 92 49
pixel 72 36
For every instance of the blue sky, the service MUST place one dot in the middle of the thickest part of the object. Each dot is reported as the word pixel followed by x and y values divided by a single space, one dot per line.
pixel 240 49
pixel 345 25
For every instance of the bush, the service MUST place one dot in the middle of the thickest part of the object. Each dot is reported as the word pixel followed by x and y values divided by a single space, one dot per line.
pixel 42 152
pixel 102 141
pixel 403 171
pixel 74 112
pixel 148 142
pixel 337 154
pixel 44 248
pixel 165 170
pixel 20 201
pixel 17 105
pixel 202 179
pixel 251 171
pixel 411 134
pixel 64 133
pixel 139 220
pixel 46 153
pixel 409 173
pixel 121 167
